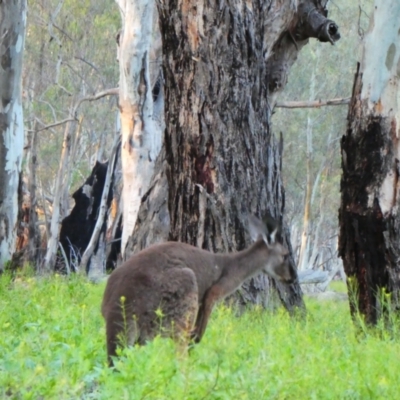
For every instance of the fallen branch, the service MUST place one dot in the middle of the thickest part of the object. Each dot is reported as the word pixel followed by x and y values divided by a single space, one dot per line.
pixel 312 276
pixel 313 104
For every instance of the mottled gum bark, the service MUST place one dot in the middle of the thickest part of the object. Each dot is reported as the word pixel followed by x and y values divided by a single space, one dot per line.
pixel 12 27
pixel 141 137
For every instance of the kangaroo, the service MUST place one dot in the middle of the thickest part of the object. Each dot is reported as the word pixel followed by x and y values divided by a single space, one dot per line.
pixel 171 288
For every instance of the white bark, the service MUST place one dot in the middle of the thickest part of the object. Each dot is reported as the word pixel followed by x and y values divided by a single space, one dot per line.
pixel 12 26
pixel 381 59
pixel 380 92
pixel 304 255
pixel 305 236
pixel 141 136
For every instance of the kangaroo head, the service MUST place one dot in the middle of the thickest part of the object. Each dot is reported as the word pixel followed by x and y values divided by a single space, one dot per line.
pixel 276 261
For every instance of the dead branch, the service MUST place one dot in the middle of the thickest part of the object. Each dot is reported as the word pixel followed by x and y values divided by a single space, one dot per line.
pixel 97 96
pixel 54 124
pixel 313 104
pixel 65 259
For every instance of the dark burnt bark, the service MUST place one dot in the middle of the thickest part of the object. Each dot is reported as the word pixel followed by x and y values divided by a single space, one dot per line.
pixel 34 250
pixel 77 228
pixel 223 63
pixel 22 235
pixel 368 242
pixel 24 207
pixel 28 235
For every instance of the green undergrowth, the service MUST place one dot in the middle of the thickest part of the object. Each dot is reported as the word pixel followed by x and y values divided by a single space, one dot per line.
pixel 338 286
pixel 52 346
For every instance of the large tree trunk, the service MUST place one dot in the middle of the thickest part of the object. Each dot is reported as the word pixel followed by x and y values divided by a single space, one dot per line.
pixel 369 212
pixel 223 63
pixel 12 27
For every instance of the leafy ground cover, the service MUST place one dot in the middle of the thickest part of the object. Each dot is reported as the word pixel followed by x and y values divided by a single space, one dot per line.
pixel 52 345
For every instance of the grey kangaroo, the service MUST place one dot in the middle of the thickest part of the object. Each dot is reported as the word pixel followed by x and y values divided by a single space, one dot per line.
pixel 171 288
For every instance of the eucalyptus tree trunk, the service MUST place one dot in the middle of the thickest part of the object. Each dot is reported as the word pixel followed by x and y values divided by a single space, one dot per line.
pixel 304 256
pixel 223 64
pixel 369 212
pixel 32 254
pixel 12 27
pixel 141 137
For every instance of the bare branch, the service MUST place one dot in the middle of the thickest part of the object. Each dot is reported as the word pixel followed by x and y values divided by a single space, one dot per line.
pixel 65 258
pixel 62 31
pixel 64 88
pixel 88 63
pixel 84 80
pixel 313 104
pixel 64 121
pixel 97 96
pixel 53 111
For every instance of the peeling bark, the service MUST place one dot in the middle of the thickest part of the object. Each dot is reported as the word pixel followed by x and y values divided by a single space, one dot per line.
pixel 141 136
pixel 12 27
pixel 369 216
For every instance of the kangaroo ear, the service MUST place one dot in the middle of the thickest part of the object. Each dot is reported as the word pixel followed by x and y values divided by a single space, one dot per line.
pixel 273 227
pixel 272 235
pixel 260 230
pixel 257 229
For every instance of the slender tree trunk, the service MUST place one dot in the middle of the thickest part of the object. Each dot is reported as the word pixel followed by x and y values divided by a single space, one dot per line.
pixel 12 27
pixel 141 137
pixel 57 215
pixel 305 236
pixel 369 211
pixel 304 256
pixel 32 252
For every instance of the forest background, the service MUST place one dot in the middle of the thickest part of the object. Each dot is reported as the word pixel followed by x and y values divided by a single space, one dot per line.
pixel 71 54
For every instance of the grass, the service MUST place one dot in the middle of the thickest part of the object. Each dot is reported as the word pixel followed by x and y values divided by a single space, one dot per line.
pixel 52 346
pixel 338 286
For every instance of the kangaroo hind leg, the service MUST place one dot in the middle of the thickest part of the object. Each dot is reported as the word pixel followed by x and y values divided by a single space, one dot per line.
pixel 179 304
